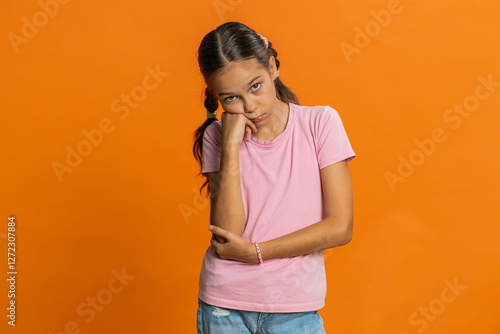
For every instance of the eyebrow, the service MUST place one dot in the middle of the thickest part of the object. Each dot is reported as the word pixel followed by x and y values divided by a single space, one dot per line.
pixel 248 84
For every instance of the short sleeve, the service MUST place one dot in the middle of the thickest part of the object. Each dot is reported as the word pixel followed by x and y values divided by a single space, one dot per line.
pixel 332 142
pixel 211 148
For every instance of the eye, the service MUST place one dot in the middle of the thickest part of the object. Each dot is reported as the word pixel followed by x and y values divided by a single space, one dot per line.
pixel 230 98
pixel 256 88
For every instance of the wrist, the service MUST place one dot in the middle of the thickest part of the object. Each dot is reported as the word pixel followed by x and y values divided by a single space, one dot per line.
pixel 251 254
pixel 230 161
pixel 230 146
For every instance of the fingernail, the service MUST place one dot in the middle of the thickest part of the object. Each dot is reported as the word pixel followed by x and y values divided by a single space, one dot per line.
pixel 211 227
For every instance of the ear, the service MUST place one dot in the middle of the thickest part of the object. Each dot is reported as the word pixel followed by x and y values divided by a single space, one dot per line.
pixel 272 68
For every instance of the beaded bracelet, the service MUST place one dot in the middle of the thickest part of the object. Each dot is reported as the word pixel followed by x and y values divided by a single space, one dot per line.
pixel 258 252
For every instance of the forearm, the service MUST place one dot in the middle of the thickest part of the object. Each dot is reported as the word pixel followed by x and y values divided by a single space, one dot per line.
pixel 333 231
pixel 227 203
pixel 322 235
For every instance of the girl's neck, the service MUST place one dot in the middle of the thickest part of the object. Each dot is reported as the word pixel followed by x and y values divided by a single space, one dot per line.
pixel 278 125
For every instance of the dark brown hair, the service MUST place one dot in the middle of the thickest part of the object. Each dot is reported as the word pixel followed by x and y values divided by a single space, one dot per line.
pixel 232 41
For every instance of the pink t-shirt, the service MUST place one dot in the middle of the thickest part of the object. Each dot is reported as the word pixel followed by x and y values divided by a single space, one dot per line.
pixel 282 193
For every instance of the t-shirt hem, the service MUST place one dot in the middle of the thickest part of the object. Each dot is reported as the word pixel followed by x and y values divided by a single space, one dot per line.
pixel 334 161
pixel 209 169
pixel 258 307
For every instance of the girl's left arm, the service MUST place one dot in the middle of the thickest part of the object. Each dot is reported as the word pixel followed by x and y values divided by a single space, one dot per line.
pixel 333 231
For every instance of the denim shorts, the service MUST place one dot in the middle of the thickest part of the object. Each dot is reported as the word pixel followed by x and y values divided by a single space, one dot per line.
pixel 218 320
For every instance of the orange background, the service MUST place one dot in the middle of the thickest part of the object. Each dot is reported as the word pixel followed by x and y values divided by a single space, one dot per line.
pixel 121 207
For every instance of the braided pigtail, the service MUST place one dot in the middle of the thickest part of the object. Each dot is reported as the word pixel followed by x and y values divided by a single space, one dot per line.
pixel 211 104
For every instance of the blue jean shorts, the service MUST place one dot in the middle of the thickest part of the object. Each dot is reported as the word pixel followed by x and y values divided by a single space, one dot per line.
pixel 218 320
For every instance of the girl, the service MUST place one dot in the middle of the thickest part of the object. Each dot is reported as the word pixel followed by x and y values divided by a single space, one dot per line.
pixel 280 191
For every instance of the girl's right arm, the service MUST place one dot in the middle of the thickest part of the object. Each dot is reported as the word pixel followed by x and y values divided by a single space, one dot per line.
pixel 226 204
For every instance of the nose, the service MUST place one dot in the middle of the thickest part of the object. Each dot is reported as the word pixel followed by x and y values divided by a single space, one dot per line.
pixel 250 106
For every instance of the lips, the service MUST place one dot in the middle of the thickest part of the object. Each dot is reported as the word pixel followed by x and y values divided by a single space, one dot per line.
pixel 257 119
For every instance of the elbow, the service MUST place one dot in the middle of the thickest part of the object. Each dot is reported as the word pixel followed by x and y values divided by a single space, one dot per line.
pixel 341 235
pixel 346 236
pixel 346 231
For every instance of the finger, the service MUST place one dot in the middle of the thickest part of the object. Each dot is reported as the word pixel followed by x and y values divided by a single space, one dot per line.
pixel 219 231
pixel 248 133
pixel 253 126
pixel 219 239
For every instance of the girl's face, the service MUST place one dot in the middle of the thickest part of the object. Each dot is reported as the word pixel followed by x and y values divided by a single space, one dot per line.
pixel 245 87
